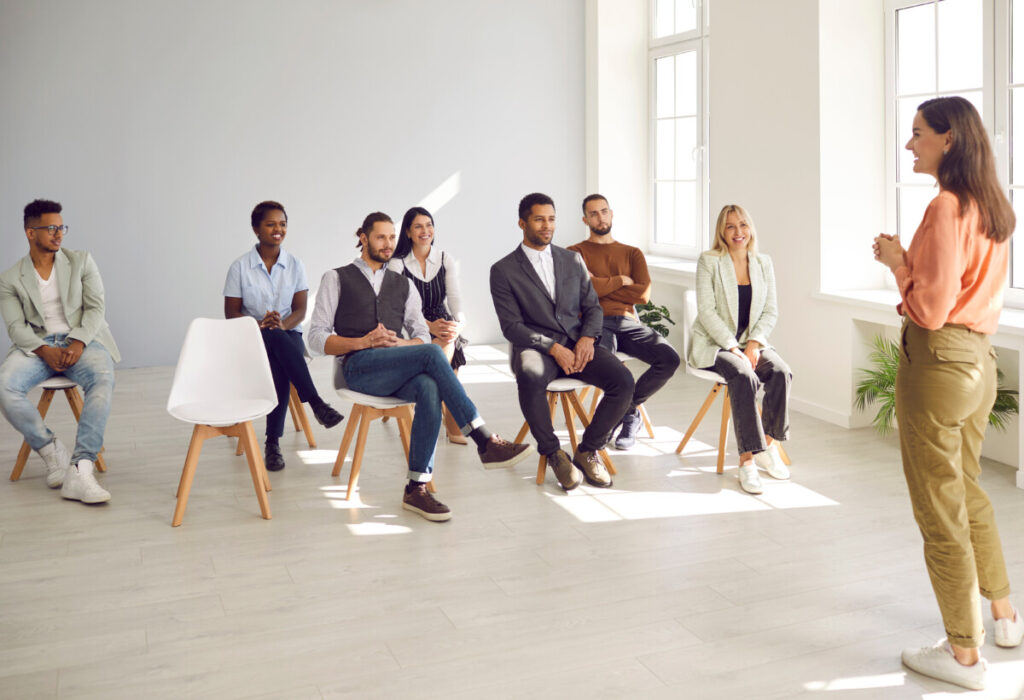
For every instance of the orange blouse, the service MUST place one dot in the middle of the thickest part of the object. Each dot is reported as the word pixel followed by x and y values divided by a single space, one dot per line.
pixel 953 272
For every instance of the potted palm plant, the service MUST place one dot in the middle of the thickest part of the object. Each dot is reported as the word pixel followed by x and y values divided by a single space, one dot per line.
pixel 878 386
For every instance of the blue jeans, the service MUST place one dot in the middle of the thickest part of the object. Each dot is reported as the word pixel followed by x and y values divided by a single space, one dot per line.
pixel 94 372
pixel 418 373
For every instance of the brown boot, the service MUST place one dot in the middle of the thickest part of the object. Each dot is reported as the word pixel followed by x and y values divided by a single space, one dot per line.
pixel 593 468
pixel 455 435
pixel 569 477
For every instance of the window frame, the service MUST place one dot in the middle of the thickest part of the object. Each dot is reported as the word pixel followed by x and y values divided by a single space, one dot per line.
pixel 697 40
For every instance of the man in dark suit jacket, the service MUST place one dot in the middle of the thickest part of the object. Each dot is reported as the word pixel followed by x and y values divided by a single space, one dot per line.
pixel 549 311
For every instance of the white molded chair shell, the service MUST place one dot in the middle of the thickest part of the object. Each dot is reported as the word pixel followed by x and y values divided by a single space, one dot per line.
pixel 380 402
pixel 223 375
pixel 689 318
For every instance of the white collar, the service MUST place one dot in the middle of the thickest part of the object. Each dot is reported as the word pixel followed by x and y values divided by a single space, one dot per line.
pixel 534 255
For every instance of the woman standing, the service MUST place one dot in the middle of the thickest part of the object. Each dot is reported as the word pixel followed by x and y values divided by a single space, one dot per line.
pixel 951 281
pixel 435 276
pixel 270 285
pixel 736 312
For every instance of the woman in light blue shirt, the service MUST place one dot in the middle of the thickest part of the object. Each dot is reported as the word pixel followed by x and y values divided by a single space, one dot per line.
pixel 270 285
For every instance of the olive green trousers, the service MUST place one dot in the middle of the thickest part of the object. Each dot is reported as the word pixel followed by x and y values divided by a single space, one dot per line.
pixel 945 388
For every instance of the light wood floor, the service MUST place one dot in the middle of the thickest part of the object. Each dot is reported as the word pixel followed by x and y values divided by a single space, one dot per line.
pixel 674 584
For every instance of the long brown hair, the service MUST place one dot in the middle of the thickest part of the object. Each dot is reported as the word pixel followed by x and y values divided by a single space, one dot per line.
pixel 968 169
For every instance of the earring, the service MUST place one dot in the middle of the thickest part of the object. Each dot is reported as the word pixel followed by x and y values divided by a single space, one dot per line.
pixel 945 151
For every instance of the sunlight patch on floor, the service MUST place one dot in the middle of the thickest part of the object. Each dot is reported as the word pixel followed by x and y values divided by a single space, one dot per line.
pixel 317 456
pixel 885 680
pixel 485 374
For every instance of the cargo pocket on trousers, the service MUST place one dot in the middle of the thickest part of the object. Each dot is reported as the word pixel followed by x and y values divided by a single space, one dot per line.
pixel 955 355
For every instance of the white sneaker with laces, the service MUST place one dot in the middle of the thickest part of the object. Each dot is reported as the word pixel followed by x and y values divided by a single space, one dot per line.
pixel 57 460
pixel 749 480
pixel 80 484
pixel 938 662
pixel 1010 632
pixel 770 461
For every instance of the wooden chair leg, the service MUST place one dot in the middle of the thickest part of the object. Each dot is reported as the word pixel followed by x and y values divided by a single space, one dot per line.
pixel 700 416
pixel 647 421
pixel 346 439
pixel 74 398
pixel 404 419
pixel 293 405
pixel 239 449
pixel 357 459
pixel 542 467
pixel 782 453
pixel 586 424
pixel 43 406
pixel 187 473
pixel 522 433
pixel 257 469
pixel 723 433
pixel 570 421
pixel 301 418
pixel 593 402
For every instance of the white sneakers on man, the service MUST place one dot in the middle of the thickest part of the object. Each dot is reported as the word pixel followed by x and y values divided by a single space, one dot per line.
pixel 57 460
pixel 1010 631
pixel 938 662
pixel 80 484
pixel 770 461
pixel 749 480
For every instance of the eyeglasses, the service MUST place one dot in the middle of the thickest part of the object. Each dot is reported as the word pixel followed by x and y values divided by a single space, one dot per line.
pixel 62 230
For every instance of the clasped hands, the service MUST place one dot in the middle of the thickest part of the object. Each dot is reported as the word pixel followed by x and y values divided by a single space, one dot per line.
pixel 573 361
pixel 888 250
pixel 751 353
pixel 59 359
pixel 444 330
pixel 381 337
pixel 271 321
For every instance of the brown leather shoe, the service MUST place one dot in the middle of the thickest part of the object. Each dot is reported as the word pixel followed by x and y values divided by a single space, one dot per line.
pixel 419 500
pixel 502 453
pixel 593 468
pixel 569 477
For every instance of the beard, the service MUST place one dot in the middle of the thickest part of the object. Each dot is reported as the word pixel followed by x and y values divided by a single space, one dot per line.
pixel 601 231
pixel 376 255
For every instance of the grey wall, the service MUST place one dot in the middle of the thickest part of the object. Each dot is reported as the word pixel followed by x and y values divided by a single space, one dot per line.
pixel 159 125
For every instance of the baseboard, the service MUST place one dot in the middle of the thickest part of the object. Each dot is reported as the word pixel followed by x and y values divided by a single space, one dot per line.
pixel 843 420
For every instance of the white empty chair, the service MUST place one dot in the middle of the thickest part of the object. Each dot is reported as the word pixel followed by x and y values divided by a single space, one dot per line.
pixel 222 384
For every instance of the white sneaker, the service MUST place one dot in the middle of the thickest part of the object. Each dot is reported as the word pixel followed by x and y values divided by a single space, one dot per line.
pixel 57 460
pixel 749 480
pixel 938 662
pixel 1010 633
pixel 770 461
pixel 80 484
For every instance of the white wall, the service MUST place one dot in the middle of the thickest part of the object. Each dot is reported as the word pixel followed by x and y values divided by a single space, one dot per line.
pixel 160 125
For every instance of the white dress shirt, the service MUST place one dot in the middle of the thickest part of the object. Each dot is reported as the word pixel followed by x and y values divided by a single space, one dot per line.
pixel 329 294
pixel 544 264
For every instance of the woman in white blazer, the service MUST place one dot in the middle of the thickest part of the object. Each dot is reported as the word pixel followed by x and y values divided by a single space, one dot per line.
pixel 736 312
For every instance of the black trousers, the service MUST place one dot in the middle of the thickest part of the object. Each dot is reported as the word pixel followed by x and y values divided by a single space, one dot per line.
pixel 628 335
pixel 534 370
pixel 286 353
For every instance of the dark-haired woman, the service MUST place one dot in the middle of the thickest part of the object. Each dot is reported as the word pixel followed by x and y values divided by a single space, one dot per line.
pixel 951 281
pixel 270 285
pixel 435 276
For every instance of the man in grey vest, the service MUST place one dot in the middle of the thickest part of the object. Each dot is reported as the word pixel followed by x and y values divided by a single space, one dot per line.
pixel 364 333
pixel 549 311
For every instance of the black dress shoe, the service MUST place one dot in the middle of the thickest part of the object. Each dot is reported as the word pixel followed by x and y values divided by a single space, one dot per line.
pixel 273 458
pixel 325 415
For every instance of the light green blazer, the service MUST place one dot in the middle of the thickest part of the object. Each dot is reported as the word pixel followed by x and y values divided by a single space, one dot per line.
pixel 718 307
pixel 81 293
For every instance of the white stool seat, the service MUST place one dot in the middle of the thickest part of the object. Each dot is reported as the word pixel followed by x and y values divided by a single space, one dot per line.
pixel 566 384
pixel 57 382
pixel 705 374
pixel 379 402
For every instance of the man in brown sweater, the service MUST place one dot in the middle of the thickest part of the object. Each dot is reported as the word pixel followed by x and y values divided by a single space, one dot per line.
pixel 619 275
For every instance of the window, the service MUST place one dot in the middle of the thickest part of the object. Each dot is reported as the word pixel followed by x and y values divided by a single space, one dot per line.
pixel 679 32
pixel 969 48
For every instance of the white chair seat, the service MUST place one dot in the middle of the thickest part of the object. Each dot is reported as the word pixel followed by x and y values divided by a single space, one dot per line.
pixel 223 412
pixel 379 402
pixel 566 384
pixel 705 374
pixel 57 382
pixel 623 357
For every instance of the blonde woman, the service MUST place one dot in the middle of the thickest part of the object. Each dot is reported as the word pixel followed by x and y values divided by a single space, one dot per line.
pixel 736 312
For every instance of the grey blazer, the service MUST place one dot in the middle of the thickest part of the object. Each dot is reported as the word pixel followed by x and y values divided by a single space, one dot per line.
pixel 528 316
pixel 718 307
pixel 81 294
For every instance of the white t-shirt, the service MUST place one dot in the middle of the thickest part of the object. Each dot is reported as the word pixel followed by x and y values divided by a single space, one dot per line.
pixel 53 310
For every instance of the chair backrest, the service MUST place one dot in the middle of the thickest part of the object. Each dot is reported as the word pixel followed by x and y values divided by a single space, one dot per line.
pixel 689 317
pixel 222 359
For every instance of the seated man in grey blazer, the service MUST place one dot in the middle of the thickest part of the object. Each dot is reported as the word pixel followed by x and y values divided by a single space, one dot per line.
pixel 52 304
pixel 549 311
